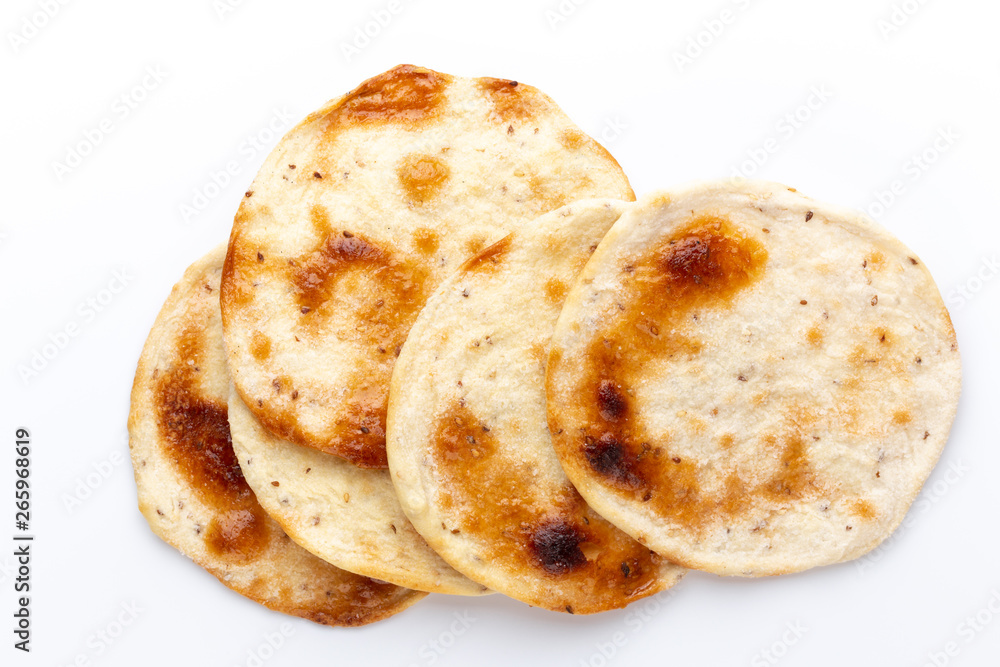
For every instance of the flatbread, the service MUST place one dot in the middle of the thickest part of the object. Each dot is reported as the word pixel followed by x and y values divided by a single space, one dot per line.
pixel 358 214
pixel 751 382
pixel 468 443
pixel 190 488
pixel 343 514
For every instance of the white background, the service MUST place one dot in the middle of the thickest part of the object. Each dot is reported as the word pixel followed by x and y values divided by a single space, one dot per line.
pixel 886 94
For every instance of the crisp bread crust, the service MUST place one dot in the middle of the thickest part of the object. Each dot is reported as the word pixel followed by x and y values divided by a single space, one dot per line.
pixel 190 489
pixel 354 219
pixel 751 382
pixel 468 444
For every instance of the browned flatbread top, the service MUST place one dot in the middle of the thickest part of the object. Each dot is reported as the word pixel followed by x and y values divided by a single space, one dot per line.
pixel 469 448
pixel 749 381
pixel 358 214
pixel 191 489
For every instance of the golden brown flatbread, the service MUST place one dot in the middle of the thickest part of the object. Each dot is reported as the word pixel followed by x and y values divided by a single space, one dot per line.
pixel 751 382
pixel 346 515
pixel 191 490
pixel 354 219
pixel 468 443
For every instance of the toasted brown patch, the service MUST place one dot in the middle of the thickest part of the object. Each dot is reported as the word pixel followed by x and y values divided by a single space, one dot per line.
pixel 356 275
pixel 360 427
pixel 556 546
pixel 426 240
pixel 237 286
pixel 685 490
pixel 793 477
pixel 357 431
pixel 511 100
pixel 814 336
pixel 239 533
pixel 474 244
pixel 548 195
pixel 348 600
pixel 874 262
pixel 611 402
pixel 709 260
pixel 862 509
pixel 489 259
pixel 422 177
pixel 539 353
pixel 195 432
pixel 877 355
pixel 260 346
pixel 514 521
pixel 555 290
pixel 316 275
pixel 405 94
pixel 345 277
pixel 705 264
pixel 902 417
pixel 573 139
pixel 609 457
pixel 347 273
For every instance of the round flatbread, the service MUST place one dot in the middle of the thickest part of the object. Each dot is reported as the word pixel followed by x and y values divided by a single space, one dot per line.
pixel 190 487
pixel 343 514
pixel 468 443
pixel 751 382
pixel 354 219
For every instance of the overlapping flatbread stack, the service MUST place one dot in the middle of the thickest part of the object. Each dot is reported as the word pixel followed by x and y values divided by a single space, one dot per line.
pixel 448 352
pixel 191 489
pixel 469 446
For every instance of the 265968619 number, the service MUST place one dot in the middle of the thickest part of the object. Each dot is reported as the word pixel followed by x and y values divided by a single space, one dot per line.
pixel 22 486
